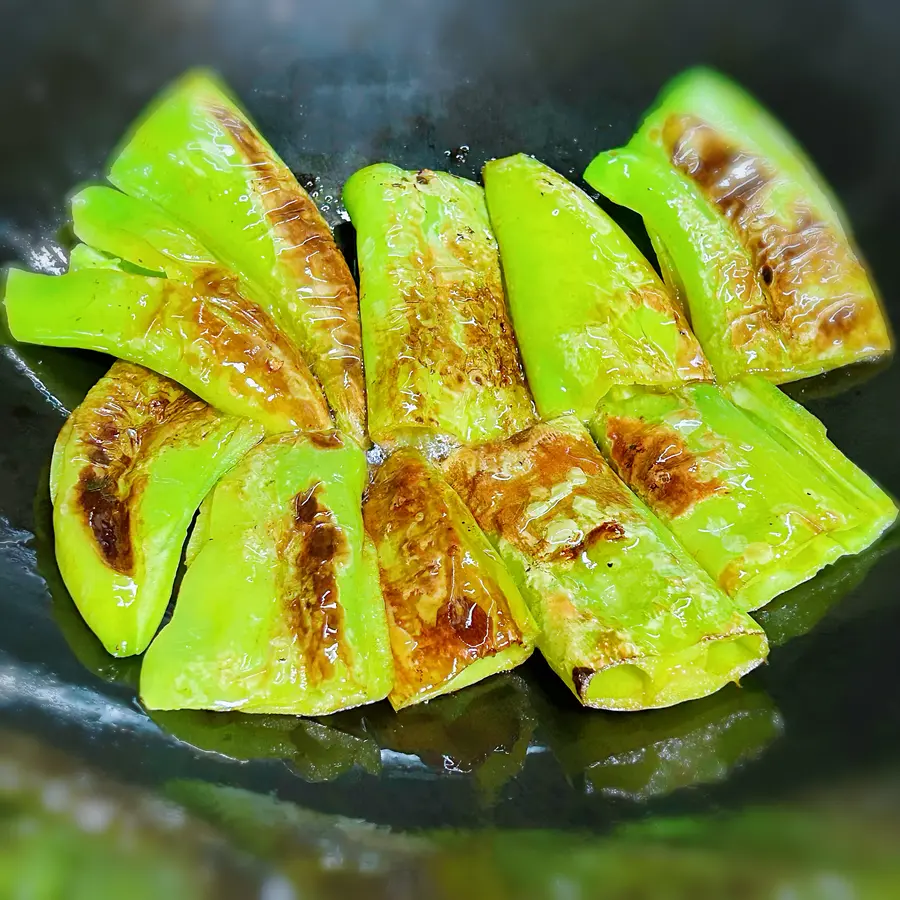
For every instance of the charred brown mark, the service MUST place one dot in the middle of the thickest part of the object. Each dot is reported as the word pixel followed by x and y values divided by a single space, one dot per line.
pixel 656 463
pixel 443 611
pixel 581 678
pixel 313 547
pixel 311 253
pixel 531 463
pixel 241 336
pixel 606 531
pixel 788 256
pixel 118 427
pixel 325 440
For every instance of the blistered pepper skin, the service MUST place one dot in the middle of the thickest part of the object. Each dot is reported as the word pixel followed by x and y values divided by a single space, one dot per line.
pixel 130 467
pixel 280 610
pixel 441 358
pixel 197 158
pixel 208 335
pixel 750 231
pixel 589 311
pixel 628 619
pixel 454 612
pixel 746 479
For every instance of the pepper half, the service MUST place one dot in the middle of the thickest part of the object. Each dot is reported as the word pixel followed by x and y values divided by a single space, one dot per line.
pixel 454 612
pixel 588 308
pixel 197 157
pixel 130 467
pixel 749 232
pixel 280 609
pixel 208 335
pixel 628 619
pixel 441 358
pixel 746 479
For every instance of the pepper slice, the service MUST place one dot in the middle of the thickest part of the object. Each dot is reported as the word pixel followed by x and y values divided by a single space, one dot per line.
pixel 197 157
pixel 751 232
pixel 280 609
pixel 130 467
pixel 588 309
pixel 454 612
pixel 441 358
pixel 628 619
pixel 208 335
pixel 746 479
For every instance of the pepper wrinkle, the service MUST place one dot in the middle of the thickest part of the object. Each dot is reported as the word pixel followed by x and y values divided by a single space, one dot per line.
pixel 655 461
pixel 444 612
pixel 313 546
pixel 786 254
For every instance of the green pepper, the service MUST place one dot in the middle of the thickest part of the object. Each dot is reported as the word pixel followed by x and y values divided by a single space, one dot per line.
pixel 588 309
pixel 198 162
pixel 83 643
pixel 833 594
pixel 628 619
pixel 441 358
pixel 455 614
pixel 280 609
pixel 745 478
pixel 130 467
pixel 748 231
pixel 208 335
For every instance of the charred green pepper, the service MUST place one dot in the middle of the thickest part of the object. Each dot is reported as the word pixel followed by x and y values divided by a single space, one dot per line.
pixel 197 157
pixel 454 612
pixel 280 609
pixel 130 467
pixel 441 358
pixel 208 335
pixel 628 619
pixel 588 309
pixel 745 478
pixel 748 231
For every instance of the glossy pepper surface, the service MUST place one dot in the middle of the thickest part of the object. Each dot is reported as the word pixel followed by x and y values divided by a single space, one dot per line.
pixel 746 479
pixel 280 609
pixel 198 158
pixel 441 359
pixel 209 336
pixel 749 233
pixel 130 467
pixel 455 614
pixel 628 619
pixel 588 308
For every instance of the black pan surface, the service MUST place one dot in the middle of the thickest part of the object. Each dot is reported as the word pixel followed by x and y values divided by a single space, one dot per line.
pixel 450 84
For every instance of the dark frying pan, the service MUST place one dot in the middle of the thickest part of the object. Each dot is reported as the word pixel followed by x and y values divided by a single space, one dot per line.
pixel 449 84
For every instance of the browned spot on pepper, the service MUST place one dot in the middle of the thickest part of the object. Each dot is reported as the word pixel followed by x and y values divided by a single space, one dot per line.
pixel 135 410
pixel 444 610
pixel 326 440
pixel 323 277
pixel 312 547
pixel 581 678
pixel 794 253
pixel 500 480
pixel 250 350
pixel 606 531
pixel 657 464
